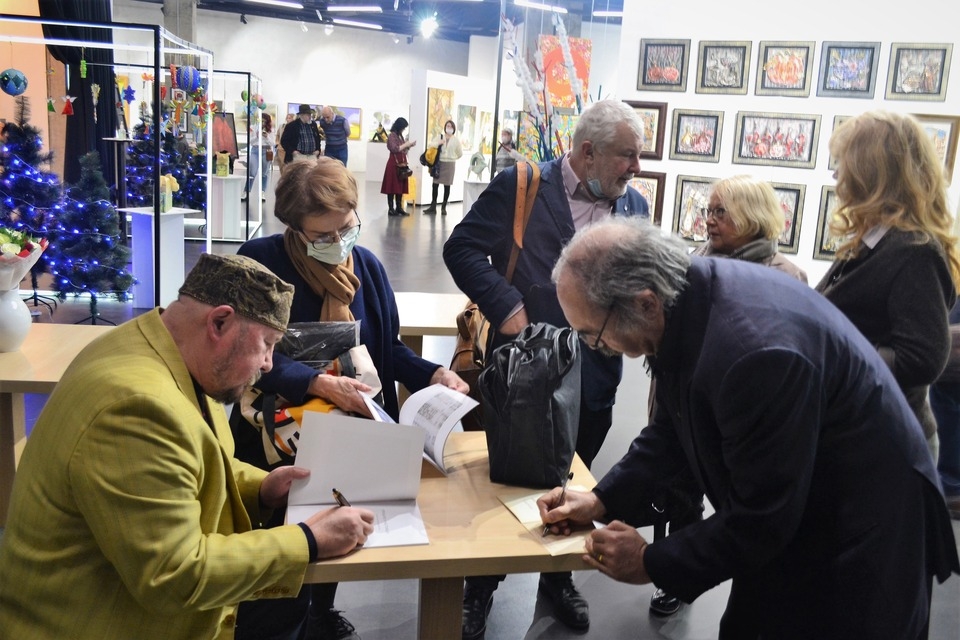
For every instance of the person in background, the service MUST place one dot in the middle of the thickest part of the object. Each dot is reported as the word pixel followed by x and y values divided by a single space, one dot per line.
pixel 507 154
pixel 336 280
pixel 301 138
pixel 945 403
pixel 392 185
pixel 130 516
pixel 589 183
pixel 290 117
pixel 829 518
pixel 336 132
pixel 744 222
pixel 897 272
pixel 262 143
pixel 450 152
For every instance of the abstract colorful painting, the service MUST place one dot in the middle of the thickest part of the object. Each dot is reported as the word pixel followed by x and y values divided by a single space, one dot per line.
pixel 557 72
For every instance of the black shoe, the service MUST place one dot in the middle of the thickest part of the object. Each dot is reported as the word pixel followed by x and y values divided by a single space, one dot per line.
pixel 430 210
pixel 443 210
pixel 664 604
pixel 402 212
pixel 476 608
pixel 330 625
pixel 569 606
pixel 393 212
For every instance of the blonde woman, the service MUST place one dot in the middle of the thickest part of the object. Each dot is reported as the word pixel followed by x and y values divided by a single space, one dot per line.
pixel 897 271
pixel 744 222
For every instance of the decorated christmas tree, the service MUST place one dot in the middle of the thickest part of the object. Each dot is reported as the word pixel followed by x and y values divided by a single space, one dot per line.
pixel 186 165
pixel 29 195
pixel 89 256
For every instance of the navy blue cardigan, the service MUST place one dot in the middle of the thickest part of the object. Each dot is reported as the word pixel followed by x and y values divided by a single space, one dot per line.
pixel 374 306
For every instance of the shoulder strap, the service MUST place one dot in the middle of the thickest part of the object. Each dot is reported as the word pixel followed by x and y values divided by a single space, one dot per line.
pixel 523 206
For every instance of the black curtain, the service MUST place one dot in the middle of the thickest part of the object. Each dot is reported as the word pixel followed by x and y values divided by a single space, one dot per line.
pixel 83 135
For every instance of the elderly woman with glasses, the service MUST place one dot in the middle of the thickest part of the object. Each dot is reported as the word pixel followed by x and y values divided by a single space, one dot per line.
pixel 334 280
pixel 744 222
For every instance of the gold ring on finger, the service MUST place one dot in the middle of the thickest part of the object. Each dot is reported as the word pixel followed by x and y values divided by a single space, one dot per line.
pixel 600 558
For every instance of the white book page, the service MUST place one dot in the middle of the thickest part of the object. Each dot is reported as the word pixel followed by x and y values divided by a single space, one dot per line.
pixel 437 410
pixel 395 524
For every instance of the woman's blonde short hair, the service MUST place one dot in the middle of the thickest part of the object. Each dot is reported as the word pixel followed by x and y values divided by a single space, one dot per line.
pixel 752 206
pixel 888 173
pixel 314 188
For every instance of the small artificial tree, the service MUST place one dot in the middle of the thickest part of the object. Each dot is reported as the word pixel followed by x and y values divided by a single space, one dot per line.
pixel 29 195
pixel 89 256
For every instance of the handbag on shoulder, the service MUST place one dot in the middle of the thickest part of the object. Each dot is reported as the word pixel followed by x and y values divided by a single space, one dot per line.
pixel 531 393
pixel 473 329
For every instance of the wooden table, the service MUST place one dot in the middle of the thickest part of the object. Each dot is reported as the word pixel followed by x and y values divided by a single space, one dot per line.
pixel 35 368
pixel 471 533
pixel 427 314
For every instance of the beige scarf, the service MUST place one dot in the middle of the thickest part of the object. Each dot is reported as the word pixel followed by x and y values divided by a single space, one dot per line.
pixel 336 284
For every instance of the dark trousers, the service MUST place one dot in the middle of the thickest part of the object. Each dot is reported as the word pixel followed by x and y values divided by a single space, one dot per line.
pixel 591 433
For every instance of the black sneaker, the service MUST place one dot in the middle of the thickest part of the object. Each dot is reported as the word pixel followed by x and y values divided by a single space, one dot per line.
pixel 476 608
pixel 664 604
pixel 330 625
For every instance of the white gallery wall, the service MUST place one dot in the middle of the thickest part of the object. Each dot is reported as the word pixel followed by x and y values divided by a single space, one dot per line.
pixel 927 21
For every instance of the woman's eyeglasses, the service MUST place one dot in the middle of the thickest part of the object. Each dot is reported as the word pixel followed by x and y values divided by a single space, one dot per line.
pixel 719 213
pixel 325 240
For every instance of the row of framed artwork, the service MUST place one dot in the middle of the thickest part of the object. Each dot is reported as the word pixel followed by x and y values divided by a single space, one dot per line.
pixel 917 71
pixel 774 139
pixel 693 197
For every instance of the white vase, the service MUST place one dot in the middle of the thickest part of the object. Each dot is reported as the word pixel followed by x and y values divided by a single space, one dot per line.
pixel 15 320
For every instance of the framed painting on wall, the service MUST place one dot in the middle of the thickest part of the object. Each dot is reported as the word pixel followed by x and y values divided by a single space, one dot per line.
pixel 777 139
pixel 354 116
pixel 848 69
pixel 837 121
pixel 439 110
pixel 689 208
pixel 791 198
pixel 653 115
pixel 293 107
pixel 943 132
pixel 466 126
pixel 663 65
pixel 826 244
pixel 723 67
pixel 696 135
pixel 650 185
pixel 918 71
pixel 784 69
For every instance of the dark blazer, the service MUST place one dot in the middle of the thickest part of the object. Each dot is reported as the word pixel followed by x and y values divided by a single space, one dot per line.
pixel 487 230
pixel 829 517
pixel 374 306
pixel 898 295
pixel 290 138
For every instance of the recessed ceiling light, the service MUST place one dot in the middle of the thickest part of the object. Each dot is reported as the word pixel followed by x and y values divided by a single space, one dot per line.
pixel 355 8
pixel 279 3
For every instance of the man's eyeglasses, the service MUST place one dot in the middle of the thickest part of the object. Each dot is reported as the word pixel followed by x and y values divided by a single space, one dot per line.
pixel 719 213
pixel 599 338
pixel 325 240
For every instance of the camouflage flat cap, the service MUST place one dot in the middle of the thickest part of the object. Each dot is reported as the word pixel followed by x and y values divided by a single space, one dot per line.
pixel 244 284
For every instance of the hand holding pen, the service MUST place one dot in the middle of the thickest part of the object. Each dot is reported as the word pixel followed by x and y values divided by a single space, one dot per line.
pixel 340 498
pixel 563 494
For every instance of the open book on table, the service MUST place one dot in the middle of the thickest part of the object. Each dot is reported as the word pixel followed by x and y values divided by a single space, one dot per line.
pixel 374 465
pixel 436 410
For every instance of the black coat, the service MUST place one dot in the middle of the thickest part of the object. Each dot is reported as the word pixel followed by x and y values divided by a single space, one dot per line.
pixel 829 517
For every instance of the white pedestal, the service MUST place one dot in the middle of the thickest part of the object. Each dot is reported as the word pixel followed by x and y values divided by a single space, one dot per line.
pixel 377 155
pixel 225 209
pixel 171 263
pixel 472 191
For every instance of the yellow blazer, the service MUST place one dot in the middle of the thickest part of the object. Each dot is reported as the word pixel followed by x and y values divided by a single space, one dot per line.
pixel 129 515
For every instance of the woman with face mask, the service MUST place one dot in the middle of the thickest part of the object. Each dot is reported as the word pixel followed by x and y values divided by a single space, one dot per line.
pixel 450 152
pixel 334 280
pixel 507 154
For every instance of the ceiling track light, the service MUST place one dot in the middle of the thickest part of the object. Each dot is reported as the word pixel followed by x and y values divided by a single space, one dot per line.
pixel 327 29
pixel 303 26
pixel 429 26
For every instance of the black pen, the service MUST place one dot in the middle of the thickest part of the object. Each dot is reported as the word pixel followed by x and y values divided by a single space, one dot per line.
pixel 341 500
pixel 563 493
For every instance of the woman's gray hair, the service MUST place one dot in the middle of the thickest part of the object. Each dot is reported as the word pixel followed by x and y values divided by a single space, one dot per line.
pixel 598 123
pixel 617 258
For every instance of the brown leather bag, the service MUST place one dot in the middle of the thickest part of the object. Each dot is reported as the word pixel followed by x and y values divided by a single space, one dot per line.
pixel 473 330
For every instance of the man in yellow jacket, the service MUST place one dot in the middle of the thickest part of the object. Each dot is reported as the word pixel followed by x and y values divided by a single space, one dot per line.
pixel 130 518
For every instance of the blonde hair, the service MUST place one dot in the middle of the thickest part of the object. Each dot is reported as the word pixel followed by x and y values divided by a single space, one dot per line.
pixel 314 188
pixel 888 173
pixel 752 206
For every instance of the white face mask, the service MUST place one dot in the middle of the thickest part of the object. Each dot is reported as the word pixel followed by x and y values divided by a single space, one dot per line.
pixel 506 139
pixel 336 252
pixel 449 131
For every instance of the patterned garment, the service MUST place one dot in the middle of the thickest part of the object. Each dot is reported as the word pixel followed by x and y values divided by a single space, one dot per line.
pixel 308 142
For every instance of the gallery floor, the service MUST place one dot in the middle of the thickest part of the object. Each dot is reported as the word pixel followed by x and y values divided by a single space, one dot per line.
pixel 410 248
